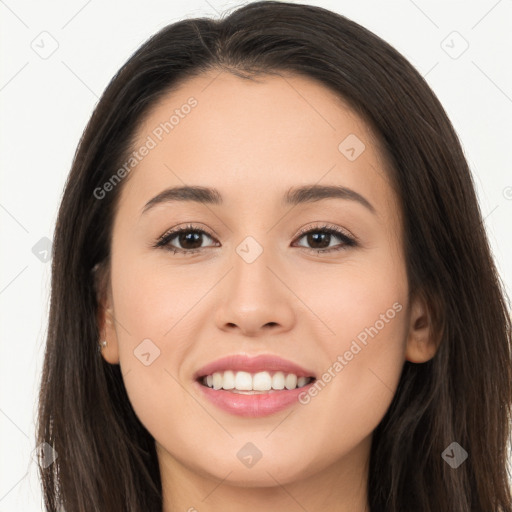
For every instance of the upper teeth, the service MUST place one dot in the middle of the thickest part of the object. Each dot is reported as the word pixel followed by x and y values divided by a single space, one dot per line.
pixel 261 381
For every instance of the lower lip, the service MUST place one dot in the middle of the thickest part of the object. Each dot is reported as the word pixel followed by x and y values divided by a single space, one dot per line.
pixel 256 405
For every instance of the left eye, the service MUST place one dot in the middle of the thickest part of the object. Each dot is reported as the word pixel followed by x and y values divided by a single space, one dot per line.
pixel 190 241
pixel 324 235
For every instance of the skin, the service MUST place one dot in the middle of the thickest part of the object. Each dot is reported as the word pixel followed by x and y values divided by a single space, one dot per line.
pixel 253 141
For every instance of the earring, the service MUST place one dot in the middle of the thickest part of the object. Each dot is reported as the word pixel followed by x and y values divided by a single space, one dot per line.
pixel 102 345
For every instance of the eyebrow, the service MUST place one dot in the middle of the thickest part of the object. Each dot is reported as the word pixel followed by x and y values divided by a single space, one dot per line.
pixel 293 197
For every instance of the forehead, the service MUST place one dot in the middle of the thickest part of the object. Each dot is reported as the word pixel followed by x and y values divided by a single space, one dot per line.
pixel 254 139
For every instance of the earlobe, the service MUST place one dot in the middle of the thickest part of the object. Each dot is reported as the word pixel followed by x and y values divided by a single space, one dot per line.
pixel 421 339
pixel 108 343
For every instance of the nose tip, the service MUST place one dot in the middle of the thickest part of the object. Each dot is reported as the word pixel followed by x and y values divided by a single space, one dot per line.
pixel 254 294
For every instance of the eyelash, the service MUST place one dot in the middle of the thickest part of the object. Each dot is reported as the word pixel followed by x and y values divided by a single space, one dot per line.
pixel 164 240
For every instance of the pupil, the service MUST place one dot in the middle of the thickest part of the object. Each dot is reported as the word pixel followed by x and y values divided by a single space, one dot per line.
pixel 313 238
pixel 190 236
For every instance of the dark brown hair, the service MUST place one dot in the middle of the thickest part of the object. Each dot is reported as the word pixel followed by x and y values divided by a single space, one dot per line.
pixel 106 458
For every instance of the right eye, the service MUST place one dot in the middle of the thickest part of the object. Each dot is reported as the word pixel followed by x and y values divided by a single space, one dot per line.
pixel 186 236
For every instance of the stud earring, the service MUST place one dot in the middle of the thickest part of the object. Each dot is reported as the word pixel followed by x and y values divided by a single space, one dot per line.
pixel 102 345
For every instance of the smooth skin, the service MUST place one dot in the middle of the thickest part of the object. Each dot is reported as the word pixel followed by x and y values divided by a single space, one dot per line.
pixel 253 141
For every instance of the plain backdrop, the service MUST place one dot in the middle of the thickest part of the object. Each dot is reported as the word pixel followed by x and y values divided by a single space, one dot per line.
pixel 57 58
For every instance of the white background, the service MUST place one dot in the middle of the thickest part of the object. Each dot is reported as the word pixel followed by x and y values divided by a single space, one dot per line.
pixel 46 103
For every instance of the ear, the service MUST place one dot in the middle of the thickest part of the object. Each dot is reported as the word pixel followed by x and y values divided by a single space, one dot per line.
pixel 105 315
pixel 422 341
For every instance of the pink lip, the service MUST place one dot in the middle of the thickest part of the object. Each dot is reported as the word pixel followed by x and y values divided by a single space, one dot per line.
pixel 256 405
pixel 260 363
pixel 253 405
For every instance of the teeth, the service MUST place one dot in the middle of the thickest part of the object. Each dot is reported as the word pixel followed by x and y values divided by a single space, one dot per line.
pixel 243 381
pixel 228 382
pixel 261 381
pixel 217 380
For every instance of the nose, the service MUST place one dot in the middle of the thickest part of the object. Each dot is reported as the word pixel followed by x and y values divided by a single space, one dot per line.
pixel 255 298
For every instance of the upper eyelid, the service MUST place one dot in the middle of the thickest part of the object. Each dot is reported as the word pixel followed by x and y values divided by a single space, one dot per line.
pixel 326 226
pixel 322 226
pixel 301 231
pixel 176 231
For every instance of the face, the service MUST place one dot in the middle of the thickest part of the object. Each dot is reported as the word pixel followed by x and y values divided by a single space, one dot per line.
pixel 319 283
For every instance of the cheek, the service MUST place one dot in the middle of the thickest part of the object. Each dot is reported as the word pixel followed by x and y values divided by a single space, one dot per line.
pixel 153 299
pixel 365 309
pixel 151 312
pixel 358 300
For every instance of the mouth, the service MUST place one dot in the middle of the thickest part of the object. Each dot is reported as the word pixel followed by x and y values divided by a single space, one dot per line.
pixel 253 386
pixel 254 383
pixel 252 403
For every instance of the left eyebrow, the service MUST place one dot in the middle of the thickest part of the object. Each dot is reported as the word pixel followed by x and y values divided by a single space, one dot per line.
pixel 294 196
pixel 312 193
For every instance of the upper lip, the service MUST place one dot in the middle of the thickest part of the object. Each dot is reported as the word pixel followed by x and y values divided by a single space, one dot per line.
pixel 259 363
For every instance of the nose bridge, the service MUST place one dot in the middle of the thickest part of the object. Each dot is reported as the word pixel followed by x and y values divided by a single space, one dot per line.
pixel 254 296
pixel 258 254
pixel 251 262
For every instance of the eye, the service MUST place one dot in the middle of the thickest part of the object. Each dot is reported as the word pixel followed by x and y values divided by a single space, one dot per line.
pixel 190 239
pixel 320 238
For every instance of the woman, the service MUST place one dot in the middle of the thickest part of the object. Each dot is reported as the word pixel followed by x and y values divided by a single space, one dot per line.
pixel 335 337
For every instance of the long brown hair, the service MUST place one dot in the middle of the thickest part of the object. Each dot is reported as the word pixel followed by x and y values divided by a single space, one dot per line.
pixel 106 458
